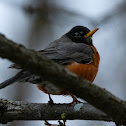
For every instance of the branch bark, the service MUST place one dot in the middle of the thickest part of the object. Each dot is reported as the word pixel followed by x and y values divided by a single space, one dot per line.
pixel 20 110
pixel 61 77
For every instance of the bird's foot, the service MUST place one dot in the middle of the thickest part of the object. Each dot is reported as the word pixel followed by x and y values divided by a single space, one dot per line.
pixel 75 100
pixel 50 100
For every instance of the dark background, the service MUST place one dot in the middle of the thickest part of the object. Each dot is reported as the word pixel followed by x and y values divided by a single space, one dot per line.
pixel 35 23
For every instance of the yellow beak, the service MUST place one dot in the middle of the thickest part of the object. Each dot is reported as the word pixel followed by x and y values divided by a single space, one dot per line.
pixel 90 33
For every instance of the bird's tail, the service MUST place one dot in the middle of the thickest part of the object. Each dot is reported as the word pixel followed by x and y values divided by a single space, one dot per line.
pixel 18 77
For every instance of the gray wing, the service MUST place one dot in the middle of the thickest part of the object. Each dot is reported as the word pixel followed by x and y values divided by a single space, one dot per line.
pixel 64 51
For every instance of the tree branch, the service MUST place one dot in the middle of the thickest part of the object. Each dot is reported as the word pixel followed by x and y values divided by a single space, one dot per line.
pixel 20 110
pixel 61 77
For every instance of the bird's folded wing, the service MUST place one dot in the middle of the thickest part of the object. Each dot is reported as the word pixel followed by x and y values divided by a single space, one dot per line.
pixel 65 53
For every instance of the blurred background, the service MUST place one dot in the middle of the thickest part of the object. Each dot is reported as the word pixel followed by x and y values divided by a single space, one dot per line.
pixel 35 23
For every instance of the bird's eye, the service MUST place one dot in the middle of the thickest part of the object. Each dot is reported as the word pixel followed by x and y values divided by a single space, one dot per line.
pixel 81 32
pixel 76 33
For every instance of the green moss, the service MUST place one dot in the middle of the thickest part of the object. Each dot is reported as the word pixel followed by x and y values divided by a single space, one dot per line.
pixel 63 116
pixel 5 101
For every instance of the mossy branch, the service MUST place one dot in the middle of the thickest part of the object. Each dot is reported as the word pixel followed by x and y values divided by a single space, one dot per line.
pixel 20 110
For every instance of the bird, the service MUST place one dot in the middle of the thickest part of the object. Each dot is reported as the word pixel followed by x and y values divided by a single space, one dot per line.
pixel 75 50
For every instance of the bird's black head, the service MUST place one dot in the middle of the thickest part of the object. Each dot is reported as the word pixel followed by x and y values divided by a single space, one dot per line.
pixel 81 34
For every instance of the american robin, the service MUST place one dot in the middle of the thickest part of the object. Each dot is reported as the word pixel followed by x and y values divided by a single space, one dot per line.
pixel 75 51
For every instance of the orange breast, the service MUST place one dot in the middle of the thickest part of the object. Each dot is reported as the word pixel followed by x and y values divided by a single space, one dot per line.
pixel 86 71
